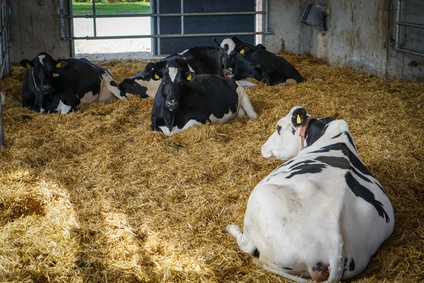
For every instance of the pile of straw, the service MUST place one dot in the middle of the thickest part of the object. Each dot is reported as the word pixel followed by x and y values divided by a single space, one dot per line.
pixel 95 196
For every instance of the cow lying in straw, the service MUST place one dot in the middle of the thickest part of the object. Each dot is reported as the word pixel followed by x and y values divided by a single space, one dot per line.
pixel 321 214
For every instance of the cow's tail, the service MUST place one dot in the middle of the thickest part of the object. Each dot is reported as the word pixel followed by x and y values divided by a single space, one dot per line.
pixel 281 273
pixel 245 106
pixel 337 250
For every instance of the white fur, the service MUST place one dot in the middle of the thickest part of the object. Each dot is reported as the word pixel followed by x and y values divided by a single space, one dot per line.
pixel 63 108
pixel 151 85
pixel 230 43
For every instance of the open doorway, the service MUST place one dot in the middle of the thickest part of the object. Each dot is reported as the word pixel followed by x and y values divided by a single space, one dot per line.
pixel 111 29
pixel 139 29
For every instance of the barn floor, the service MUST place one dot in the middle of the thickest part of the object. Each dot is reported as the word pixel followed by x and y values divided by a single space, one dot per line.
pixel 95 196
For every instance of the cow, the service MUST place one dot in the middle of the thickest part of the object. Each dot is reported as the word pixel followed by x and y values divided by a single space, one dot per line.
pixel 320 214
pixel 199 59
pixel 185 99
pixel 267 67
pixel 65 85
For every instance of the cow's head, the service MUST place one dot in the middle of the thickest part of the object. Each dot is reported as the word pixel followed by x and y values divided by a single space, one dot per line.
pixel 41 70
pixel 174 81
pixel 141 84
pixel 227 55
pixel 294 132
pixel 285 142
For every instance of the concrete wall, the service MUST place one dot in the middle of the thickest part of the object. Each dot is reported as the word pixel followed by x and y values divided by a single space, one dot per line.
pixel 34 27
pixel 360 35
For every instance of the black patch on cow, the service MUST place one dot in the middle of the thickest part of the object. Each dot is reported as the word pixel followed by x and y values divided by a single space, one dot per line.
pixel 367 195
pixel 349 137
pixel 334 161
pixel 316 129
pixel 279 129
pixel 306 167
pixel 112 83
pixel 301 113
pixel 256 253
pixel 349 265
pixel 357 166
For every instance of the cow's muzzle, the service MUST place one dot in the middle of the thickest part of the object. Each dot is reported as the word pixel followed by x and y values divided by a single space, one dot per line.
pixel 171 104
pixel 228 72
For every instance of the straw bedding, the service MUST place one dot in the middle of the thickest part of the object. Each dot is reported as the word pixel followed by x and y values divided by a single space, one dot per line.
pixel 95 196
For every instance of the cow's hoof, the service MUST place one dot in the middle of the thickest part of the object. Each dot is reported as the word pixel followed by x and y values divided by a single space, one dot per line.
pixel 320 272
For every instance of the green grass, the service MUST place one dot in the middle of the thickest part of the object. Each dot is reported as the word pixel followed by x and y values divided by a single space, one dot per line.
pixel 111 8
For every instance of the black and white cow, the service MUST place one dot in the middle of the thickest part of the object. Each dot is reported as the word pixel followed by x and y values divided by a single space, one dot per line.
pixel 200 60
pixel 65 85
pixel 262 64
pixel 321 214
pixel 185 99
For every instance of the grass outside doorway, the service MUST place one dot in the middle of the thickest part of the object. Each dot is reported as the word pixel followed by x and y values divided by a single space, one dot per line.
pixel 111 8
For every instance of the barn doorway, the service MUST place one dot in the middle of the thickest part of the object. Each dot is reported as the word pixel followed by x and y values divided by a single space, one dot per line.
pixel 112 29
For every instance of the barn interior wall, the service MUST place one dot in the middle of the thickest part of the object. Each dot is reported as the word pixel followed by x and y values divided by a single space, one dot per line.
pixel 360 35
pixel 34 27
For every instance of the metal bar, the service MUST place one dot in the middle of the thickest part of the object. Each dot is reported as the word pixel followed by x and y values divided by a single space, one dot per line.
pixel 408 51
pixel 5 39
pixel 182 16
pixel 170 35
pixel 399 23
pixel 71 29
pixel 410 24
pixel 397 31
pixel 94 19
pixel 168 14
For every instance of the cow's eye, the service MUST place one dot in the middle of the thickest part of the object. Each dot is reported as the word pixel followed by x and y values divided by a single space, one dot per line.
pixel 293 131
pixel 279 129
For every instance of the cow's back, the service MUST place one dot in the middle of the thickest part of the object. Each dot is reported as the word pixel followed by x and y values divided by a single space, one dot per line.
pixel 211 95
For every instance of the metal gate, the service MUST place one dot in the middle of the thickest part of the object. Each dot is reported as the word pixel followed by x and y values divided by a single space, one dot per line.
pixel 409 30
pixel 178 25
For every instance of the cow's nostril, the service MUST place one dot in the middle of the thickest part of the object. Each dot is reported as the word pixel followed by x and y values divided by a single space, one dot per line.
pixel 171 104
pixel 45 87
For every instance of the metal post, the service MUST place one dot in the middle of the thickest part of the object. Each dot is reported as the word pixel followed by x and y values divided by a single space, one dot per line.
pixel 2 100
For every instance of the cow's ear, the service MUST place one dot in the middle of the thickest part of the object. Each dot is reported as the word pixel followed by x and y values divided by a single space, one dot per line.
pixel 155 74
pixel 61 64
pixel 26 64
pixel 299 117
pixel 190 76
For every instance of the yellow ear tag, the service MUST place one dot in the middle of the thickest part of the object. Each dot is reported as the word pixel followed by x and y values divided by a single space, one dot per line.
pixel 28 66
pixel 242 52
pixel 189 77
pixel 157 76
pixel 298 120
pixel 59 65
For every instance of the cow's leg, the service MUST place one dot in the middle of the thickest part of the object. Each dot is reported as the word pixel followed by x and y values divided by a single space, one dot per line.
pixel 245 103
pixel 243 242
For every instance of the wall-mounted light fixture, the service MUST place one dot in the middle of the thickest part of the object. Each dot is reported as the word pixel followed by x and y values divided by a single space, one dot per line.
pixel 315 15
